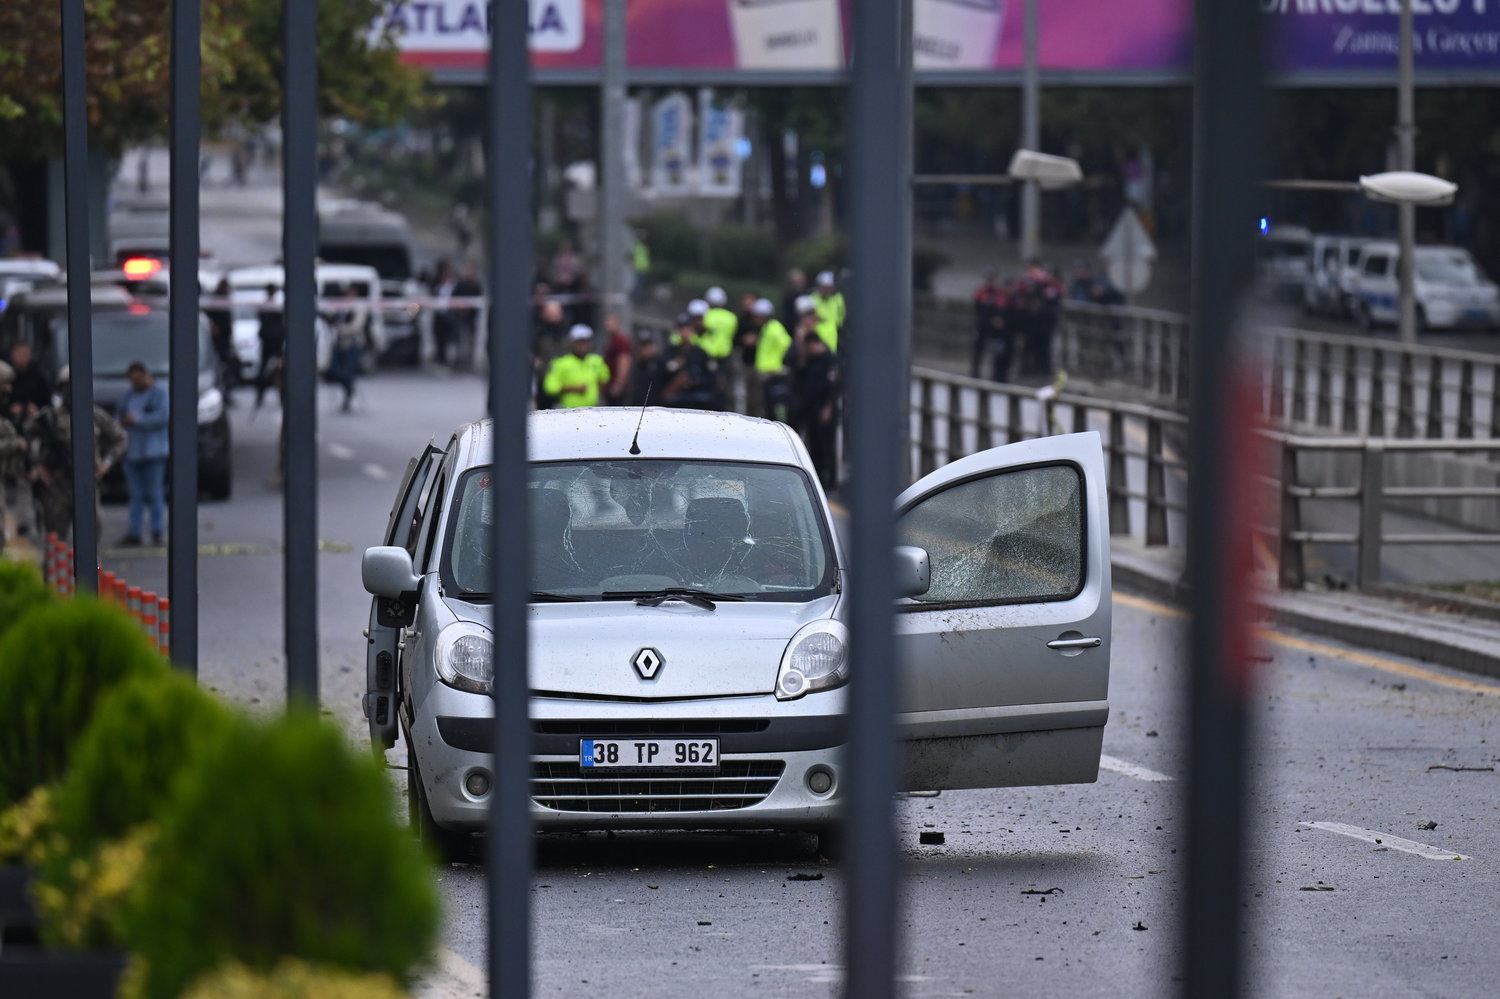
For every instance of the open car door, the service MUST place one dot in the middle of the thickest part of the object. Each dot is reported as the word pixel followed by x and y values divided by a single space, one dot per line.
pixel 1005 658
pixel 388 617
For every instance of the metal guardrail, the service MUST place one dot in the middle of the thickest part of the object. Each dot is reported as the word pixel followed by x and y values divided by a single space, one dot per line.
pixel 953 416
pixel 1347 384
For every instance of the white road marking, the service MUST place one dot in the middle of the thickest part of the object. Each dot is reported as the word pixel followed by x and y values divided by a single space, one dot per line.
pixel 376 472
pixel 1129 769
pixel 1386 839
pixel 827 973
pixel 450 977
pixel 339 451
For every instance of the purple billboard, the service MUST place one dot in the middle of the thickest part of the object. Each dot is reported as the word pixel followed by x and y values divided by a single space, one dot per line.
pixel 1332 36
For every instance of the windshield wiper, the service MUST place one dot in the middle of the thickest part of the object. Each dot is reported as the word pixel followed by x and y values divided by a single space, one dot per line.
pixel 655 598
pixel 544 597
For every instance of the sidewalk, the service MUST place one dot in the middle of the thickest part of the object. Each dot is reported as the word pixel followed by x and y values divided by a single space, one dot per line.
pixel 1418 628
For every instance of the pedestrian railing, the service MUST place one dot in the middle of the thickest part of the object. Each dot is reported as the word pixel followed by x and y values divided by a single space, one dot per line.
pixel 1346 384
pixel 953 416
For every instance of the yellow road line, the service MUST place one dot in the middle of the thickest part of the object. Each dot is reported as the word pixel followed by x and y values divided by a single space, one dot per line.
pixel 1322 649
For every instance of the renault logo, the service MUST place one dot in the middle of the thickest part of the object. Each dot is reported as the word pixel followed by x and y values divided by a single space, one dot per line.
pixel 647 661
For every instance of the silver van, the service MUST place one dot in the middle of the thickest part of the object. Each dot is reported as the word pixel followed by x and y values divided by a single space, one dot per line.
pixel 689 642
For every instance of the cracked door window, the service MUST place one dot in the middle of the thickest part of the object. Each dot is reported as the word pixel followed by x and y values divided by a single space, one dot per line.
pixel 608 527
pixel 1012 537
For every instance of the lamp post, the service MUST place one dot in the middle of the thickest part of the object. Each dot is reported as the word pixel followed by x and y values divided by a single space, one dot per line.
pixel 1406 134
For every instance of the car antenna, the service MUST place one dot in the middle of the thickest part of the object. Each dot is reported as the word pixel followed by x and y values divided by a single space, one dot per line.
pixel 635 447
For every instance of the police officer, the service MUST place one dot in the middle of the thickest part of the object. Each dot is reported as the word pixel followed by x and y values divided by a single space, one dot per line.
pixel 817 386
pixel 828 301
pixel 49 433
pixel 768 387
pixel 719 325
pixel 575 378
pixel 692 376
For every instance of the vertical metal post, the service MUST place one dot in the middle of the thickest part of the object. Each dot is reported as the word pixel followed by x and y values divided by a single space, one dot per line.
pixel 1031 138
pixel 612 182
pixel 1291 574
pixel 182 552
pixel 299 414
pixel 880 155
pixel 1229 134
pixel 1406 148
pixel 508 197
pixel 80 324
pixel 1371 508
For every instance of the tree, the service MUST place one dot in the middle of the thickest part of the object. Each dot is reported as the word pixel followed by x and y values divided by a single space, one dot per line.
pixel 129 70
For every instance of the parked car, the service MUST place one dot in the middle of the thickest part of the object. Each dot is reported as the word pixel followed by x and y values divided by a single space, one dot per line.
pixel 17 274
pixel 1450 290
pixel 126 329
pixel 689 624
pixel 358 232
pixel 1333 267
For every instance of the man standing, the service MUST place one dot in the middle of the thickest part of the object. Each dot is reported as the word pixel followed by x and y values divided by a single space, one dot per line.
pixel 143 414
pixel 719 325
pixel 617 358
pixel 49 434
pixel 272 343
pixel 466 317
pixel 828 301
pixel 990 331
pixel 796 287
pixel 574 379
pixel 30 390
pixel 769 391
pixel 818 397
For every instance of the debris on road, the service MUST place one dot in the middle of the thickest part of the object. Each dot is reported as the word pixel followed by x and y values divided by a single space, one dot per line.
pixel 1320 886
pixel 1049 891
pixel 1429 825
pixel 1444 766
pixel 705 922
pixel 804 877
pixel 1140 926
pixel 931 839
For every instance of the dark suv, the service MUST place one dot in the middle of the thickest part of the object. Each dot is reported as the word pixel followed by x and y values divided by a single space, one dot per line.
pixel 125 329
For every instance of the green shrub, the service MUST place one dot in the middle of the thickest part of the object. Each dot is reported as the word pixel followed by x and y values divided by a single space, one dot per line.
pixel 21 589
pixel 292 979
pixel 675 243
pixel 281 842
pixel 54 665
pixel 741 252
pixel 143 734
pixel 816 253
pixel 692 284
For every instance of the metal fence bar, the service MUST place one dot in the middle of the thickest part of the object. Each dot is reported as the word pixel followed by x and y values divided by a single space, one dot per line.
pixel 299 414
pixel 182 308
pixel 1371 502
pixel 1435 398
pixel 879 170
pixel 508 196
pixel 80 322
pixel 1228 139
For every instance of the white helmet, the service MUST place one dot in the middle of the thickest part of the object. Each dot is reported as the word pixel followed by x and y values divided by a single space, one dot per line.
pixel 580 332
pixel 763 307
pixel 716 297
pixel 697 307
pixel 805 304
pixel 825 279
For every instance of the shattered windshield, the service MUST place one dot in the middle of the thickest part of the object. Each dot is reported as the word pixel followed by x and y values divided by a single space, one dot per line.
pixel 645 525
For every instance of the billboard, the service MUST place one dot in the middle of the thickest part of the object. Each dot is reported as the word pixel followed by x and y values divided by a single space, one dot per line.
pixel 732 41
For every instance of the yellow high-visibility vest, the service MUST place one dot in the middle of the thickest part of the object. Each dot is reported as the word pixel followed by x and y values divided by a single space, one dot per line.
pixel 590 371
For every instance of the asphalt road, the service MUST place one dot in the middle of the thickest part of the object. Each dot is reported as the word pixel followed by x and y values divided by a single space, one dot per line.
pixel 1070 890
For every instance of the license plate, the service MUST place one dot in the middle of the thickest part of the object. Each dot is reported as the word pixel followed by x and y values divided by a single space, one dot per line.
pixel 648 754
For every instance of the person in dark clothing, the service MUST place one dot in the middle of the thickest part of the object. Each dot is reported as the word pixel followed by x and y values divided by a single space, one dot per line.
pixel 691 376
pixel 272 343
pixel 31 390
pixel 796 287
pixel 221 329
pixel 647 370
pixel 990 332
pixel 816 386
pixel 466 318
pixel 443 323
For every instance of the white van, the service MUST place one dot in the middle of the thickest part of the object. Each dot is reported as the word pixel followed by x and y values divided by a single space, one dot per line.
pixel 247 292
pixel 1450 289
pixel 1332 268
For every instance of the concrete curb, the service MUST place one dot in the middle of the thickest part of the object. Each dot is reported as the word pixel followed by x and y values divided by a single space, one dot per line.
pixel 1379 625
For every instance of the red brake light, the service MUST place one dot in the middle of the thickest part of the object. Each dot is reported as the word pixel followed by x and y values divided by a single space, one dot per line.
pixel 141 267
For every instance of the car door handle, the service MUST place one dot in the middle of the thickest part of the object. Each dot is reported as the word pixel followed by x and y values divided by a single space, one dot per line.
pixel 1075 643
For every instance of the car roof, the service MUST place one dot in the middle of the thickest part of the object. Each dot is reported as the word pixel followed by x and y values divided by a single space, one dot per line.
pixel 590 433
pixel 265 274
pixel 56 296
pixel 29 267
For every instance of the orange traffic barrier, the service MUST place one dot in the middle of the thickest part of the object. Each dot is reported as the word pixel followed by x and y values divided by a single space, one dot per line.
pixel 106 585
pixel 133 603
pixel 164 626
pixel 148 617
pixel 119 593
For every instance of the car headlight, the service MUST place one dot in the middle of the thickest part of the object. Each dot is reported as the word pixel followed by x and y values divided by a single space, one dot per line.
pixel 817 658
pixel 210 406
pixel 465 658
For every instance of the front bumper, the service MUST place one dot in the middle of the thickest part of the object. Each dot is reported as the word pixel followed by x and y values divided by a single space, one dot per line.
pixel 768 749
pixel 1451 315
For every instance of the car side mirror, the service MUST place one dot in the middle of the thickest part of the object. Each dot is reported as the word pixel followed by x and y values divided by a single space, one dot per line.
pixel 913 571
pixel 387 572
